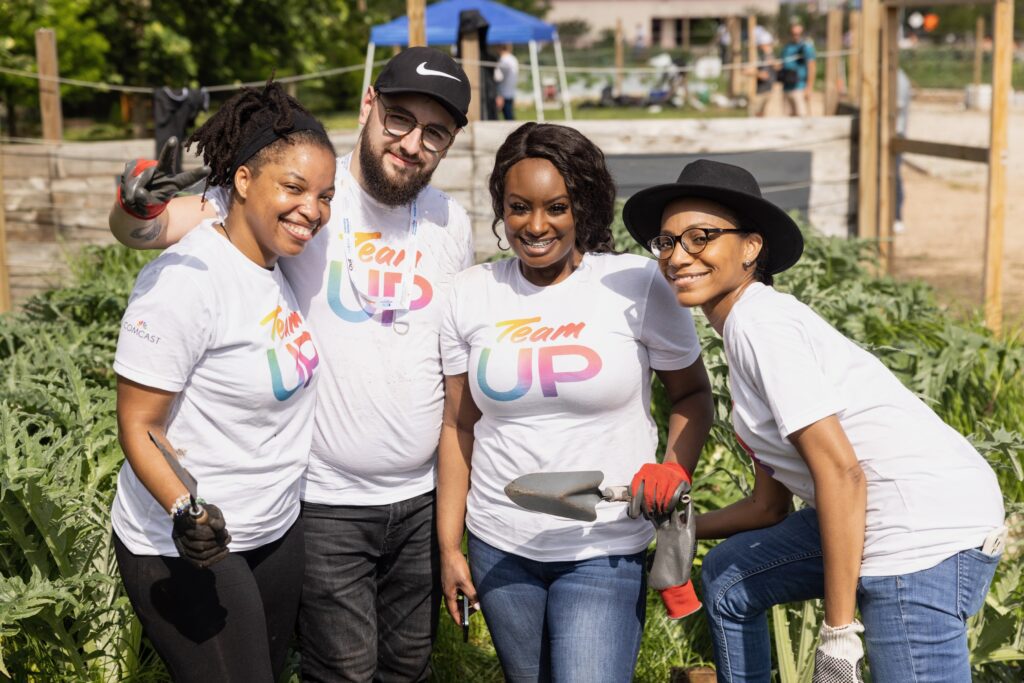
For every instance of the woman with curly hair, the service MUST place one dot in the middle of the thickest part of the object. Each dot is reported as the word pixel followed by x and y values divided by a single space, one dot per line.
pixel 547 360
pixel 215 359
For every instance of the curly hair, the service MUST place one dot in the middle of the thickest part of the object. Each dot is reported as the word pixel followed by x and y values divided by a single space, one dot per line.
pixel 582 167
pixel 222 137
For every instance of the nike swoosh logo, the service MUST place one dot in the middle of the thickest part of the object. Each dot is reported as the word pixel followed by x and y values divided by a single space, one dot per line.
pixel 422 70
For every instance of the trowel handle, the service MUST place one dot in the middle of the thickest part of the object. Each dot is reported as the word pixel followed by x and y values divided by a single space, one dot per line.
pixel 616 494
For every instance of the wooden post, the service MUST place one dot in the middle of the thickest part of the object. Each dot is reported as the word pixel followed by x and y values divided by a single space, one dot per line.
pixel 1002 64
pixel 752 60
pixel 469 48
pixel 686 34
pixel 620 57
pixel 416 11
pixel 5 277
pixel 887 128
pixel 854 60
pixel 867 166
pixel 733 24
pixel 49 89
pixel 833 44
pixel 979 39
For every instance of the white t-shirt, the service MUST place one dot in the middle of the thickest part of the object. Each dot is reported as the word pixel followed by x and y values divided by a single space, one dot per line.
pixel 929 493
pixel 562 377
pixel 380 397
pixel 226 335
pixel 508 67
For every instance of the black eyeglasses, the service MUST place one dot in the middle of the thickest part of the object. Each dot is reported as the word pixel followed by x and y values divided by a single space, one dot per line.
pixel 693 241
pixel 398 123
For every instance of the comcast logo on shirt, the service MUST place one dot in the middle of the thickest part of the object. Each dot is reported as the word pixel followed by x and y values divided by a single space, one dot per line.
pixel 140 328
pixel 531 344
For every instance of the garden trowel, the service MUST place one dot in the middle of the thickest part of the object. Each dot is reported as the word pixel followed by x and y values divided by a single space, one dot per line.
pixel 564 494
pixel 576 494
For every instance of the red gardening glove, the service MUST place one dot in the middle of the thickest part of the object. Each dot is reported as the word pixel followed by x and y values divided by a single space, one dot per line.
pixel 655 488
pixel 680 601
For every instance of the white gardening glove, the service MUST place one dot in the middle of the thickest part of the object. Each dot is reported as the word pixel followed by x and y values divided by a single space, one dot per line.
pixel 839 654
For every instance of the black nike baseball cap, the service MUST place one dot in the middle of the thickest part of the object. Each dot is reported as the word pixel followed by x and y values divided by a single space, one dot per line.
pixel 430 72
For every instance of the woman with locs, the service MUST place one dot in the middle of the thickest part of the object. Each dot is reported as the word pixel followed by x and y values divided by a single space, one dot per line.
pixel 215 366
pixel 902 517
pixel 547 359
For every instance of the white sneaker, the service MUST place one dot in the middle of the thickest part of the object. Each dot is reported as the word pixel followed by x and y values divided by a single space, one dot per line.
pixel 898 228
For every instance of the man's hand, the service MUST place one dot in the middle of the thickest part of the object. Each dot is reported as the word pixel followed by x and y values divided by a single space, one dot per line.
pixel 146 186
pixel 201 544
pixel 839 655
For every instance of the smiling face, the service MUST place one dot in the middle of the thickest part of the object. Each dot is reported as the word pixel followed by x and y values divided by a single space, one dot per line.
pixel 284 204
pixel 714 278
pixel 393 169
pixel 539 223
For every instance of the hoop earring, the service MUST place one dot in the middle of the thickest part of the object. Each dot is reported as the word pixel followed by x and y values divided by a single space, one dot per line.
pixel 503 248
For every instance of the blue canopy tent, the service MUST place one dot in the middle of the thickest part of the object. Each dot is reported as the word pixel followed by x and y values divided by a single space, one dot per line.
pixel 506 26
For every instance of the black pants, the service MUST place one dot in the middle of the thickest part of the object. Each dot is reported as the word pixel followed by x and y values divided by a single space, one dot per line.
pixel 371 592
pixel 229 623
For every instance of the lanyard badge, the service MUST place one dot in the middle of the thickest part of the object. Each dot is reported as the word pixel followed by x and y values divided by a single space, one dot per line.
pixel 400 298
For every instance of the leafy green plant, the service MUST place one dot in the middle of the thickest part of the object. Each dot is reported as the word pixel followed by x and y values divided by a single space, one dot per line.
pixel 63 614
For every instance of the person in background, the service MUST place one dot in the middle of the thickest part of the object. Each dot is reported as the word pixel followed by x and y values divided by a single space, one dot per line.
pixel 903 95
pixel 901 516
pixel 548 358
pixel 373 285
pixel 216 363
pixel 508 67
pixel 798 71
pixel 766 71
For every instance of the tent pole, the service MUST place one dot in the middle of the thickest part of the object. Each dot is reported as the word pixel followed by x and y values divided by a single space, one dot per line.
pixel 535 74
pixel 368 71
pixel 562 81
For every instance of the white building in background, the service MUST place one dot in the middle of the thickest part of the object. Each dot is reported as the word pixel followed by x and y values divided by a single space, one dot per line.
pixel 652 23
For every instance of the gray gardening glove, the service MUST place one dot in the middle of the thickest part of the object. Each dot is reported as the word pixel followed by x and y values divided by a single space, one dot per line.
pixel 676 542
pixel 839 655
pixel 146 186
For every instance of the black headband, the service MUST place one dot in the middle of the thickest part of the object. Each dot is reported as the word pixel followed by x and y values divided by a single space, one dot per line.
pixel 267 135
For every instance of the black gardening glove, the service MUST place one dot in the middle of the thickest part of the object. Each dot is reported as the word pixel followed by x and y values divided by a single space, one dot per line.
pixel 146 186
pixel 201 540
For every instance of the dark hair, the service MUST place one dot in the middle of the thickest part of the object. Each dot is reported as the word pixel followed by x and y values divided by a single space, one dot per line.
pixel 223 136
pixel 582 167
pixel 761 273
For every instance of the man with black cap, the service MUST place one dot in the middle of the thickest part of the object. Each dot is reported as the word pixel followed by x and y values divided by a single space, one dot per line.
pixel 372 284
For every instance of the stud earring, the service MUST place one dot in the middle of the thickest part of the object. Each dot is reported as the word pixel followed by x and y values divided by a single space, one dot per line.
pixel 746 264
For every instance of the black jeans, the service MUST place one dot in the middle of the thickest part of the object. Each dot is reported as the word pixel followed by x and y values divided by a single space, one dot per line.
pixel 371 592
pixel 230 623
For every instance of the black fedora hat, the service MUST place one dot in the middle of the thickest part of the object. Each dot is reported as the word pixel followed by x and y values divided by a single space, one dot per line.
pixel 732 187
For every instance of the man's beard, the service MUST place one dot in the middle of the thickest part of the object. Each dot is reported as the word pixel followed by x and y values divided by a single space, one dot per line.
pixel 380 186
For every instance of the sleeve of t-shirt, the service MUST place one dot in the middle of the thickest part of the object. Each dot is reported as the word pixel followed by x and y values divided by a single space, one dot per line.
pixel 809 52
pixel 667 329
pixel 463 234
pixel 454 348
pixel 166 329
pixel 780 359
pixel 220 198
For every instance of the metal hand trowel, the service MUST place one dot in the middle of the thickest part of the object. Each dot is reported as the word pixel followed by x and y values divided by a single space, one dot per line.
pixel 564 494
pixel 576 494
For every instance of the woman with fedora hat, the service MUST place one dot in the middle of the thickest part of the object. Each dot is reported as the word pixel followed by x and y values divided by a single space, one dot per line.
pixel 901 518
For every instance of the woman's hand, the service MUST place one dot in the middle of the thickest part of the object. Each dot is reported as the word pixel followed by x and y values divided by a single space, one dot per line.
pixel 456 579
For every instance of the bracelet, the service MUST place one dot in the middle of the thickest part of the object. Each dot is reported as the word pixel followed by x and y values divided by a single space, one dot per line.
pixel 180 505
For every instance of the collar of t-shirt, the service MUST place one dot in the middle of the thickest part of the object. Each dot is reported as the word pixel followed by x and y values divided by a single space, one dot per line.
pixel 580 275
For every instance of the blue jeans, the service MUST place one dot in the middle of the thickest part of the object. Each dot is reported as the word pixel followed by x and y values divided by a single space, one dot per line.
pixel 561 621
pixel 371 592
pixel 915 625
